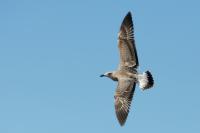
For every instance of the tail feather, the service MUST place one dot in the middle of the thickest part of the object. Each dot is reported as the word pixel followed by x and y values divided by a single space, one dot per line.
pixel 145 80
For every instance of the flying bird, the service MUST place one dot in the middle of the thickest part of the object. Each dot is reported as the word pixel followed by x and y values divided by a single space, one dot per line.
pixel 127 74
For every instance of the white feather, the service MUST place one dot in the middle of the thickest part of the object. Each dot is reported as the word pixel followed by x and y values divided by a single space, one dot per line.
pixel 143 80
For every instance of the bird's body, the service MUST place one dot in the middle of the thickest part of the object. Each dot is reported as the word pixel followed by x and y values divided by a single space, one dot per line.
pixel 127 74
pixel 116 75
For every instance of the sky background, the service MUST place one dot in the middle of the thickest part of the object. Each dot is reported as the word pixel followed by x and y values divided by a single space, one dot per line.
pixel 53 51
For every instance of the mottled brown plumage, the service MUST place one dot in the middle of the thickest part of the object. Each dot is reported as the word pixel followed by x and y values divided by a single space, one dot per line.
pixel 127 75
pixel 126 43
pixel 123 98
pixel 128 62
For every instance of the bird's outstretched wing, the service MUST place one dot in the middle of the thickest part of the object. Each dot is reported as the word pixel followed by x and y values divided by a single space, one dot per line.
pixel 126 44
pixel 123 98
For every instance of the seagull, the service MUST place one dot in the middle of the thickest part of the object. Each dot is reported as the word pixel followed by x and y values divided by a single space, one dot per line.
pixel 127 74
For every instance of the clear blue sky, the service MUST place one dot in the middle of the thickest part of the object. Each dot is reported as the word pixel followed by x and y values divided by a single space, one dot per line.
pixel 53 51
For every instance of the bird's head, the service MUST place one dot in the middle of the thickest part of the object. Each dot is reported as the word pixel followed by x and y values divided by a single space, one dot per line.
pixel 110 75
pixel 107 74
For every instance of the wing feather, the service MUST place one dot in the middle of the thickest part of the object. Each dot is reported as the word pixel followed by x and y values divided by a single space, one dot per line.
pixel 126 44
pixel 123 98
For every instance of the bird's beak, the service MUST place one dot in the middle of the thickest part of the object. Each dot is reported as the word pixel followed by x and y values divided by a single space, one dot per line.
pixel 102 75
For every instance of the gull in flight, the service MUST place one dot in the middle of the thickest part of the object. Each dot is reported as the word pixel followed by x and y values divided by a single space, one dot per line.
pixel 127 74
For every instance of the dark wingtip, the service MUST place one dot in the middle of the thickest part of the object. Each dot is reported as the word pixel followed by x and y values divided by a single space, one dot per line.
pixel 127 20
pixel 122 118
pixel 128 16
pixel 121 124
pixel 129 13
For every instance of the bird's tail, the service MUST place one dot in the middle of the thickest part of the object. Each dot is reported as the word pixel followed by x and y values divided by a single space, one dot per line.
pixel 145 80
